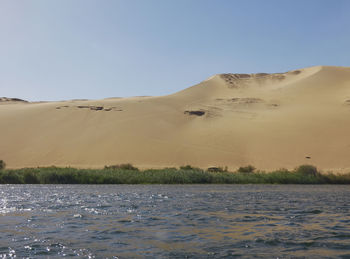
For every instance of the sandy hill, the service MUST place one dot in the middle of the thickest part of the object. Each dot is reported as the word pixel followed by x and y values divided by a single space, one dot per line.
pixel 267 120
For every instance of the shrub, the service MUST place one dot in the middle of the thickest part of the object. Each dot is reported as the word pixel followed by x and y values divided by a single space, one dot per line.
pixel 215 169
pixel 2 165
pixel 246 169
pixel 30 178
pixel 170 168
pixel 307 170
pixel 9 178
pixel 127 166
pixel 186 167
pixel 189 167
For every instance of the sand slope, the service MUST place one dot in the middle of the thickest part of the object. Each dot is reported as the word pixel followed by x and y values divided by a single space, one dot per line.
pixel 267 120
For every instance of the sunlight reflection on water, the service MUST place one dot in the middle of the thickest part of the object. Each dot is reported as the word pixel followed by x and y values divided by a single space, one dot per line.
pixel 212 221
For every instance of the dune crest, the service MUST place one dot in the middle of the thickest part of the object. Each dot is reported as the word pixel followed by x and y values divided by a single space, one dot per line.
pixel 267 120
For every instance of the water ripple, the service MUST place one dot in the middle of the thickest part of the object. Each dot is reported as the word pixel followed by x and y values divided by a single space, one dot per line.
pixel 176 221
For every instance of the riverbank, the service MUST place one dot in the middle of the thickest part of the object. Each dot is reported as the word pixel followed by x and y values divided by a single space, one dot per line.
pixel 185 175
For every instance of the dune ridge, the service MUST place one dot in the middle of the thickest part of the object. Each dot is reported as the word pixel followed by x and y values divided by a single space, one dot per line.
pixel 267 120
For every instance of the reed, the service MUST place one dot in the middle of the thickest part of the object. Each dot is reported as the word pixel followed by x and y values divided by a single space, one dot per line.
pixel 305 174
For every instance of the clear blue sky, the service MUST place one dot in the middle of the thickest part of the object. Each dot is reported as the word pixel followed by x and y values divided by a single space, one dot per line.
pixel 65 49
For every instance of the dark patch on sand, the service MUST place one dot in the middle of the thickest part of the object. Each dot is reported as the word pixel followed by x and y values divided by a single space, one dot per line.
pixel 243 100
pixel 195 112
pixel 92 108
pixel 63 106
pixel 294 72
pixel 236 80
pixel 6 99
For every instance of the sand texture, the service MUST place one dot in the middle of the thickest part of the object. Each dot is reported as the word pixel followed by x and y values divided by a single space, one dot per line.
pixel 267 120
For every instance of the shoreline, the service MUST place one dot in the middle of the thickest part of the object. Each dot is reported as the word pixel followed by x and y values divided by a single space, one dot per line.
pixel 127 174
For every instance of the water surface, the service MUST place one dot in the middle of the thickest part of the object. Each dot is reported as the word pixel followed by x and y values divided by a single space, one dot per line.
pixel 175 221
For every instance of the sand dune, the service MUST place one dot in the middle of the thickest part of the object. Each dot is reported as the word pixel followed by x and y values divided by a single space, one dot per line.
pixel 267 120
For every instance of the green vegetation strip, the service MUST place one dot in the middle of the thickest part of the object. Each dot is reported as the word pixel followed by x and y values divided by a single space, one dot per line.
pixel 305 174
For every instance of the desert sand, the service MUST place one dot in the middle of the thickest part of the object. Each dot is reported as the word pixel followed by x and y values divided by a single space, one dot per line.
pixel 270 121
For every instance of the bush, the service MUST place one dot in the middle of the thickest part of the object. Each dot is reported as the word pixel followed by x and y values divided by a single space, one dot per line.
pixel 307 170
pixel 215 169
pixel 30 178
pixel 246 169
pixel 189 167
pixel 9 178
pixel 127 166
pixel 186 167
pixel 2 165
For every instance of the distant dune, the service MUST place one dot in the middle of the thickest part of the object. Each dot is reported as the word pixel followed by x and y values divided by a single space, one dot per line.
pixel 266 120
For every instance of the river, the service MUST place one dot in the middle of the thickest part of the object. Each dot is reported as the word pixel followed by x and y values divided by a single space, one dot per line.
pixel 175 221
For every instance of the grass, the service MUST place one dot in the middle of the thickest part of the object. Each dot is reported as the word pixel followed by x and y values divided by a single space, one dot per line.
pixel 305 174
pixel 127 166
